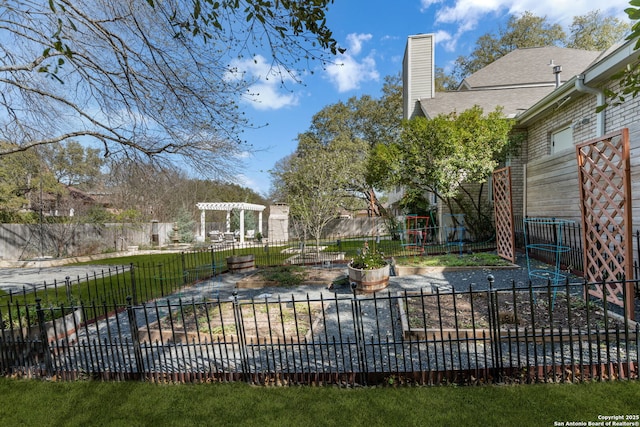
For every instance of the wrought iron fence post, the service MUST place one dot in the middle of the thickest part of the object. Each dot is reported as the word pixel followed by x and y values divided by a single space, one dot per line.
pixel 135 340
pixel 48 362
pixel 244 356
pixel 359 336
pixel 213 263
pixel 134 291
pixel 494 327
pixel 185 273
pixel 67 287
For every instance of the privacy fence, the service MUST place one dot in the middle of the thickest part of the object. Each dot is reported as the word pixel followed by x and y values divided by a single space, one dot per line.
pixel 144 321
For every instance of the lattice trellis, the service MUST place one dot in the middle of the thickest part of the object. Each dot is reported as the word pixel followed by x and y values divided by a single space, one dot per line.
pixel 605 195
pixel 503 212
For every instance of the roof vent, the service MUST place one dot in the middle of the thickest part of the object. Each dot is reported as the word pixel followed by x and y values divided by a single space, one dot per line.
pixel 557 69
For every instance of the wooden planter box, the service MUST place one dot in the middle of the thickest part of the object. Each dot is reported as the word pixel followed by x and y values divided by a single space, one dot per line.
pixel 405 270
pixel 278 325
pixel 512 334
pixel 313 277
pixel 63 327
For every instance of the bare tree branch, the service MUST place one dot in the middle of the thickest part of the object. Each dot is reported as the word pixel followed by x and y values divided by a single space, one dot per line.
pixel 152 78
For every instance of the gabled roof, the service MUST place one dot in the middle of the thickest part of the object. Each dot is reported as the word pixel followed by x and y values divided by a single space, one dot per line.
pixel 611 61
pixel 515 82
pixel 530 67
pixel 513 100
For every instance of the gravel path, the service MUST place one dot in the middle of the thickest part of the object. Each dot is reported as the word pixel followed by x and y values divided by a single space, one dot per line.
pixel 352 337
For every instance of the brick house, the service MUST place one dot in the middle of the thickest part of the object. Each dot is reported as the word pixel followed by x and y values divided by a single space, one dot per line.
pixel 566 117
pixel 576 163
pixel 518 82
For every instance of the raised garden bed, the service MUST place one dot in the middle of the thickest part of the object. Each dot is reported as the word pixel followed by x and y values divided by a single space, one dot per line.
pixel 262 323
pixel 291 276
pixel 437 317
pixel 411 265
pixel 407 270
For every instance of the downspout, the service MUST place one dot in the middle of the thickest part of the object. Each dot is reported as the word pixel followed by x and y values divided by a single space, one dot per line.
pixel 581 87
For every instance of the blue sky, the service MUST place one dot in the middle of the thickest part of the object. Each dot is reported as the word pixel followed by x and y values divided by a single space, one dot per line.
pixel 374 33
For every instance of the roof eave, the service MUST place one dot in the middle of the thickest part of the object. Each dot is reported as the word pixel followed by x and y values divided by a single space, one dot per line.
pixel 595 73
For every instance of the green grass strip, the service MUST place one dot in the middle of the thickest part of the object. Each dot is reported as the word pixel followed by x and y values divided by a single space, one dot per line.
pixel 85 403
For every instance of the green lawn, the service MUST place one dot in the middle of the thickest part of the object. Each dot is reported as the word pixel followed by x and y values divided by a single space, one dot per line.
pixel 87 403
pixel 453 260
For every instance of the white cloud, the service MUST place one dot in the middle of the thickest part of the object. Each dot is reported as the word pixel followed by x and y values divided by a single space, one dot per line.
pixel 467 14
pixel 445 39
pixel 270 97
pixel 563 11
pixel 267 92
pixel 348 72
pixel 426 4
pixel 355 42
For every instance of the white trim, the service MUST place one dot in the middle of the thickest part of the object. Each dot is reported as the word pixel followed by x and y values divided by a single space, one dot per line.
pixel 228 207
pixel 222 206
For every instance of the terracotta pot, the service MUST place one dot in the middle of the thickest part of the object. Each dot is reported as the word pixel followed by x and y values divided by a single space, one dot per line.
pixel 371 280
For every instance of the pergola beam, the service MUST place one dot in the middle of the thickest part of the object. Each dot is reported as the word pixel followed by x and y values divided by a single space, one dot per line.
pixel 228 207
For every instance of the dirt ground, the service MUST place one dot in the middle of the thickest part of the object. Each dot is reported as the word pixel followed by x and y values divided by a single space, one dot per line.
pixel 261 321
pixel 466 310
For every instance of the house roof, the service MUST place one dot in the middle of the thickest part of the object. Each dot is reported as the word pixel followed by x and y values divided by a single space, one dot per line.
pixel 530 67
pixel 610 62
pixel 515 82
pixel 512 100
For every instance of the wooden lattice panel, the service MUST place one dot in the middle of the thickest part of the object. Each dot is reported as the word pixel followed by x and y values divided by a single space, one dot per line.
pixel 503 212
pixel 605 195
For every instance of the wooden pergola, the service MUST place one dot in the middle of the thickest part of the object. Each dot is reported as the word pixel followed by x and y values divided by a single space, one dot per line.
pixel 228 207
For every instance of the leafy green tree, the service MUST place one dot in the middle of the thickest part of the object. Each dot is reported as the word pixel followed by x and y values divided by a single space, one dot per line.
pixel 23 181
pixel 314 183
pixel 186 225
pixel 365 123
pixel 15 182
pixel 629 77
pixel 446 155
pixel 595 31
pixel 97 214
pixel 250 222
pixel 146 78
pixel 72 163
pixel 444 81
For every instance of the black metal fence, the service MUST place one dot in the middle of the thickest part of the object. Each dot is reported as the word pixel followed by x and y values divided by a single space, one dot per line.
pixel 159 275
pixel 543 233
pixel 501 334
pixel 136 322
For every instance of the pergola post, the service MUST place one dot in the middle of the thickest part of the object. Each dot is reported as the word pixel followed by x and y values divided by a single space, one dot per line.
pixel 228 207
pixel 202 224
pixel 241 225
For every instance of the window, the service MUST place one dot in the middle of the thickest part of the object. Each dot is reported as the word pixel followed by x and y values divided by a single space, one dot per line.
pixel 561 139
